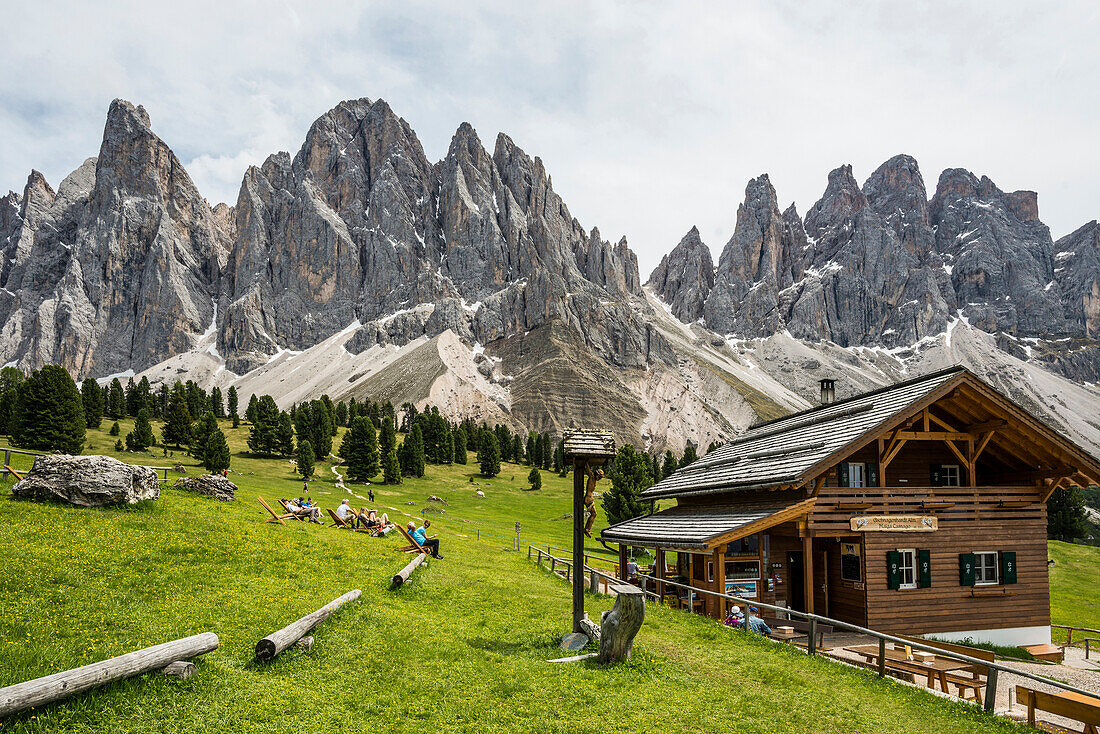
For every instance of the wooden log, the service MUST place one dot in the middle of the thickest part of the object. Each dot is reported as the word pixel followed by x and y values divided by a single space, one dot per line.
pixel 619 626
pixel 54 687
pixel 181 669
pixel 276 642
pixel 402 576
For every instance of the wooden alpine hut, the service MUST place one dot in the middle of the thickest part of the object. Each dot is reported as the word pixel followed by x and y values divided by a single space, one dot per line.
pixel 916 508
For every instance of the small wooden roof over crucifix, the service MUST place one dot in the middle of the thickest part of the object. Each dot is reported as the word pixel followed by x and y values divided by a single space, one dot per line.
pixel 589 444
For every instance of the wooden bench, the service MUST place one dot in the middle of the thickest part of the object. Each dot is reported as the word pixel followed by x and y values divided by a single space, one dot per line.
pixel 1049 653
pixel 800 626
pixel 978 674
pixel 1076 706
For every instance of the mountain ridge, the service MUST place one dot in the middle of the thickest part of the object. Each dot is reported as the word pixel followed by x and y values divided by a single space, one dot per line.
pixel 357 248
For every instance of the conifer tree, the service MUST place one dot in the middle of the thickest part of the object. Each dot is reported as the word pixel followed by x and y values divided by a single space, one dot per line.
pixel 305 459
pixel 131 395
pixel 250 411
pixel 533 451
pixel 92 397
pixel 116 429
pixel 488 454
pixel 145 396
pixel 216 405
pixel 669 467
pixel 447 450
pixel 231 404
pixel 116 400
pixel 263 436
pixel 690 455
pixel 360 450
pixel 387 442
pixel 215 454
pixel 161 401
pixel 201 431
pixel 11 380
pixel 559 458
pixel 517 449
pixel 629 478
pixel 1066 518
pixel 460 445
pixel 547 451
pixel 535 478
pixel 118 446
pixel 412 455
pixel 49 412
pixel 284 435
pixel 142 436
pixel 341 413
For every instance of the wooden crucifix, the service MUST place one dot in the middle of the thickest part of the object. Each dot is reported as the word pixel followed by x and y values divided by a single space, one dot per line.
pixel 588 450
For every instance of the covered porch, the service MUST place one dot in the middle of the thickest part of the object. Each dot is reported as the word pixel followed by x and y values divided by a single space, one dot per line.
pixel 744 550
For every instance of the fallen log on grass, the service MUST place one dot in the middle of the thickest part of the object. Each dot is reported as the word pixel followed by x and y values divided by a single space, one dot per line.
pixel 276 642
pixel 62 685
pixel 402 576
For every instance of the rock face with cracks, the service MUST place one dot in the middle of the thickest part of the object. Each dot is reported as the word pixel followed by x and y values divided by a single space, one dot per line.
pixel 211 485
pixel 87 481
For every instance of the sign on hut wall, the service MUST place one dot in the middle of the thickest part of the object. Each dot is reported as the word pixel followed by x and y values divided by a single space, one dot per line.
pixel 895 523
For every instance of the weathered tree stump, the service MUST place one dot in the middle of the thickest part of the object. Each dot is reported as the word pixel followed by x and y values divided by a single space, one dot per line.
pixel 182 669
pixel 619 626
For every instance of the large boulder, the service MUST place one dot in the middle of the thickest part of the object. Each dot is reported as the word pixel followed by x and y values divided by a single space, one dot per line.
pixel 211 485
pixel 88 481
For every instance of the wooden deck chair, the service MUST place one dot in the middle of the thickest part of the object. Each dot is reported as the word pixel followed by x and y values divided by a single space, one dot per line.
pixel 337 522
pixel 292 514
pixel 414 547
pixel 274 516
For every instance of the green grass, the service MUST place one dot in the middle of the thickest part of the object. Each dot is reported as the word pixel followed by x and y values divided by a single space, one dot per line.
pixel 1074 579
pixel 463 647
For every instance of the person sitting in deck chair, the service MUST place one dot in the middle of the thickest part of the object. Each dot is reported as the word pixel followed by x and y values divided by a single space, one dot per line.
pixel 346 514
pixel 313 513
pixel 369 519
pixel 421 537
pixel 753 623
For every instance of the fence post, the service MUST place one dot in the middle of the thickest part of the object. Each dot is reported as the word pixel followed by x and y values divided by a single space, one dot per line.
pixel 811 641
pixel 991 690
pixel 691 601
pixel 479 533
pixel 553 563
pixel 882 657
pixel 594 583
pixel 528 553
pixel 539 561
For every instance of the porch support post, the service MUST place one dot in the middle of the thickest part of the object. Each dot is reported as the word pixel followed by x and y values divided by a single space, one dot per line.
pixel 622 562
pixel 807 566
pixel 660 556
pixel 719 577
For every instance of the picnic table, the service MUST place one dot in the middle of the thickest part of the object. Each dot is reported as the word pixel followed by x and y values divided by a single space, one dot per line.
pixel 935 669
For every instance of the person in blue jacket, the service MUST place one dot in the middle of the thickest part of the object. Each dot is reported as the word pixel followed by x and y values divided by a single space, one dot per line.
pixel 421 537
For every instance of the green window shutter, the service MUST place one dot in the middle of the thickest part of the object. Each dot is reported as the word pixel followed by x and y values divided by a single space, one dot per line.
pixel 842 474
pixel 936 475
pixel 872 475
pixel 966 569
pixel 924 568
pixel 893 570
pixel 1008 567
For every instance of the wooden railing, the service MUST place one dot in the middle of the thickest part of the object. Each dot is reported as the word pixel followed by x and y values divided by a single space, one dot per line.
pixel 815 619
pixel 1070 630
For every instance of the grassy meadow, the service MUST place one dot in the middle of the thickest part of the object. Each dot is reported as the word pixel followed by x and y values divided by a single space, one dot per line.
pixel 1074 581
pixel 462 648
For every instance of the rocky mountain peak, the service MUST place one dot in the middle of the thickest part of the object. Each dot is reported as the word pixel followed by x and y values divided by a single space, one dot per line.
pixel 842 199
pixel 896 188
pixel 684 277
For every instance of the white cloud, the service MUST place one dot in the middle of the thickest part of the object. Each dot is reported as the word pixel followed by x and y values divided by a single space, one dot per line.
pixel 651 116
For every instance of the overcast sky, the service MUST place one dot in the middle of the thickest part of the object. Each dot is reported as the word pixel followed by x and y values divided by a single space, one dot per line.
pixel 650 116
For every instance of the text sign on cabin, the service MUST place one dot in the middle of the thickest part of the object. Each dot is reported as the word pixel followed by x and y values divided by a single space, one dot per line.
pixel 895 524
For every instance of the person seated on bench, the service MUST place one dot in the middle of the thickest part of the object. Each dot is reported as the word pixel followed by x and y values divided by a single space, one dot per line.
pixel 313 513
pixel 753 623
pixel 420 535
pixel 632 572
pixel 734 618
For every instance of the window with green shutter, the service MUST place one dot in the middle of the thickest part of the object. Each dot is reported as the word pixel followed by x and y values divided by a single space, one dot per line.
pixel 1008 567
pixel 966 569
pixel 924 568
pixel 893 570
pixel 842 474
pixel 872 475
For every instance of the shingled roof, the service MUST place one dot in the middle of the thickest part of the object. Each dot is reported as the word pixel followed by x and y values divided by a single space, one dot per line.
pixel 696 527
pixel 783 450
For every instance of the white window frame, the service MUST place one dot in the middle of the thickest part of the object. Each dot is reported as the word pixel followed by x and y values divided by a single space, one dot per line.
pixel 911 568
pixel 862 473
pixel 945 475
pixel 979 568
